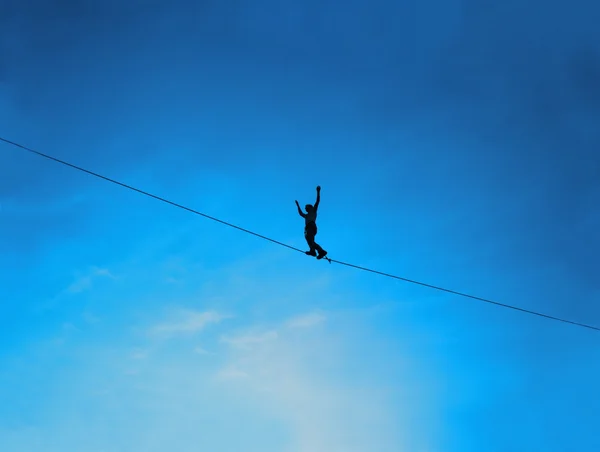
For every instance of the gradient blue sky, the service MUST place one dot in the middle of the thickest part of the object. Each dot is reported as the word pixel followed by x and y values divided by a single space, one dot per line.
pixel 456 143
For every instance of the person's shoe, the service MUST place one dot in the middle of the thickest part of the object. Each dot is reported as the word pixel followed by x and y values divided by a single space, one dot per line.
pixel 311 253
pixel 322 255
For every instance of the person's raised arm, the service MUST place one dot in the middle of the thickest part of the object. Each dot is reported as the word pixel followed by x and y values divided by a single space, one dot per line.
pixel 302 214
pixel 318 197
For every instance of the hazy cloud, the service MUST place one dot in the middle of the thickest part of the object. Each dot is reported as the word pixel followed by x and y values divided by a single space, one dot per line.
pixel 187 322
pixel 306 321
pixel 287 378
pixel 231 373
pixel 248 341
pixel 85 282
pixel 201 351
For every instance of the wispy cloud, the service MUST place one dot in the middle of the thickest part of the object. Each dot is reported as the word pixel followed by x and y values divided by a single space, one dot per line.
pixel 231 373
pixel 85 282
pixel 139 354
pixel 187 322
pixel 80 285
pixel 248 341
pixel 306 321
pixel 260 374
pixel 287 376
pixel 82 282
pixel 90 318
pixel 103 272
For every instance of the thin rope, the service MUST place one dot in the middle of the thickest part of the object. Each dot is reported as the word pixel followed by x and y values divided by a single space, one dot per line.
pixel 145 193
pixel 294 248
pixel 466 295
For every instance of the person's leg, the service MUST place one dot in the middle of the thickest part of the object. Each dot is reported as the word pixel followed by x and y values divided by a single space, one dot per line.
pixel 322 252
pixel 310 239
pixel 311 243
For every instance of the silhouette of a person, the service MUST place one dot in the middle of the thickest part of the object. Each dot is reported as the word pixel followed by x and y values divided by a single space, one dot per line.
pixel 310 227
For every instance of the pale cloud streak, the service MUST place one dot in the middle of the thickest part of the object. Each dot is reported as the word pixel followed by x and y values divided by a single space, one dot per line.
pixel 285 373
pixel 306 321
pixel 276 379
pixel 187 322
pixel 80 285
pixel 90 318
pixel 231 373
pixel 248 341
pixel 85 282
pixel 140 354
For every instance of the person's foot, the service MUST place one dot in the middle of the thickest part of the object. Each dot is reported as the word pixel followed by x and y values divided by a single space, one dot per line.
pixel 311 253
pixel 322 254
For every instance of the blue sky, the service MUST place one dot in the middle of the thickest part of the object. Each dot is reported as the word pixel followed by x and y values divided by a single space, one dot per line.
pixel 456 143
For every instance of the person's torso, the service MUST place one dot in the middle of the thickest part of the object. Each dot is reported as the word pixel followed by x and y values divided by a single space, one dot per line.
pixel 311 217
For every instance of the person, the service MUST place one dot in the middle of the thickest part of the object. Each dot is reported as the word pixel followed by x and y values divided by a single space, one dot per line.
pixel 310 226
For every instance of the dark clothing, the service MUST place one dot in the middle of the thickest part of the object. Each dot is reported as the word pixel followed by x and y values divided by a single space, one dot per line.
pixel 310 230
pixel 310 227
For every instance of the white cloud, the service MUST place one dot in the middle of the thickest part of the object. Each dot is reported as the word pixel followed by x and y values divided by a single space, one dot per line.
pixel 81 284
pixel 140 354
pixel 306 321
pixel 231 373
pixel 85 282
pixel 247 341
pixel 290 393
pixel 187 323
pixel 69 327
pixel 103 272
pixel 274 389
pixel 90 318
pixel 201 351
pixel 322 413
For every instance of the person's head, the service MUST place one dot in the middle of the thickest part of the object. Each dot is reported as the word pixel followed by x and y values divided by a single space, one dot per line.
pixel 308 207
